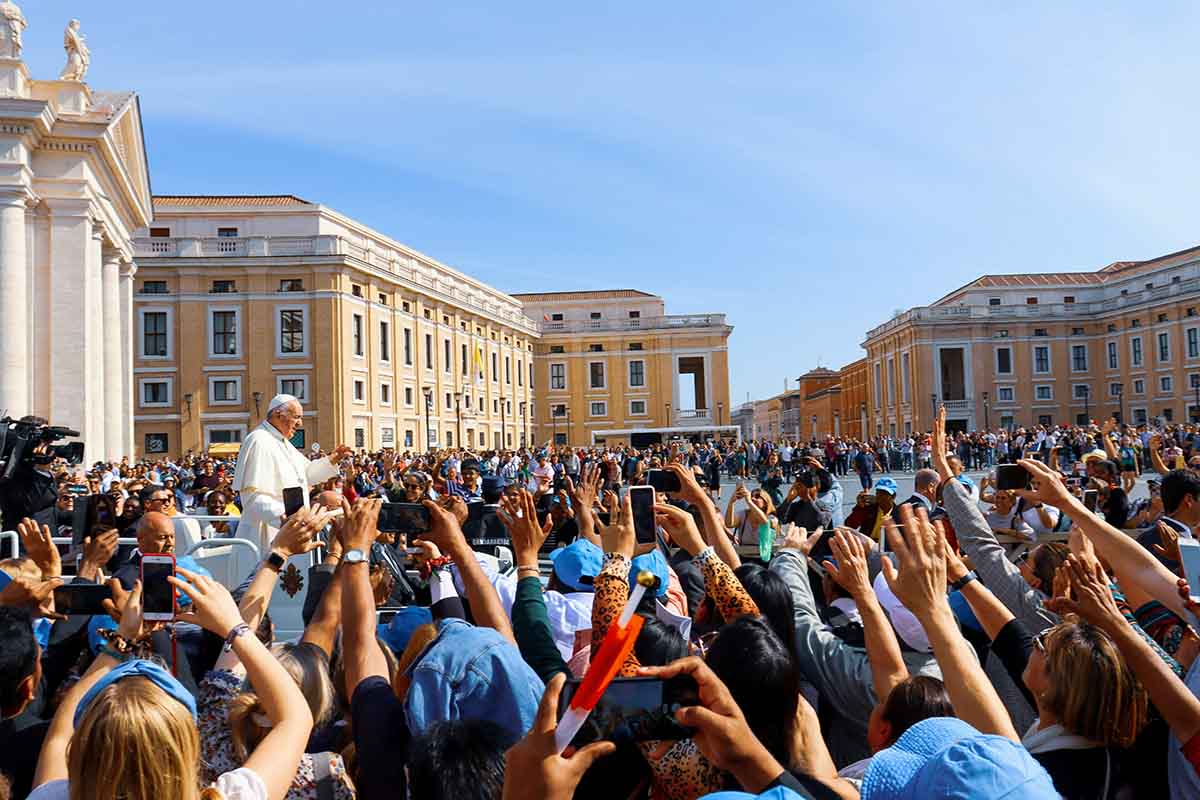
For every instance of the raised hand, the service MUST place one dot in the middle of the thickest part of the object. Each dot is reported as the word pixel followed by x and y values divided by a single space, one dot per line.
pixel 1170 542
pixel 445 531
pixel 689 487
pixel 359 529
pixel 519 515
pixel 619 536
pixel 920 583
pixel 212 606
pixel 533 767
pixel 36 596
pixel 850 572
pixel 39 546
pixel 680 526
pixel 298 534
pixel 1093 600
pixel 1048 485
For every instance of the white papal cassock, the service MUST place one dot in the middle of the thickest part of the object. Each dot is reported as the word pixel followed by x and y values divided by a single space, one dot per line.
pixel 266 465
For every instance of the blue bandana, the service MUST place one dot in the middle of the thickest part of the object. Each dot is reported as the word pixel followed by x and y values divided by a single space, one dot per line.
pixel 143 669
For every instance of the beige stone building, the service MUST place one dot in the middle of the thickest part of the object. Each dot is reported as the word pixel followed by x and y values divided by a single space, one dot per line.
pixel 1045 348
pixel 239 298
pixel 612 366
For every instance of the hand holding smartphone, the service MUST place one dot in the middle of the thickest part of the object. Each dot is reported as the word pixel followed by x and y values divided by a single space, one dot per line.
pixel 641 499
pixel 158 595
pixel 1189 551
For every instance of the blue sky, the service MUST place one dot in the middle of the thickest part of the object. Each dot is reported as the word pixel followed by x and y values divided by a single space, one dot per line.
pixel 808 170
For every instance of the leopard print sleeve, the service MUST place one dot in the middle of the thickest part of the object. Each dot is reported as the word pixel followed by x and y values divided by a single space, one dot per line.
pixel 680 771
pixel 724 588
pixel 612 592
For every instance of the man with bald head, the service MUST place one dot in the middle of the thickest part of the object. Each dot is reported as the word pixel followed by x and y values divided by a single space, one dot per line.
pixel 268 463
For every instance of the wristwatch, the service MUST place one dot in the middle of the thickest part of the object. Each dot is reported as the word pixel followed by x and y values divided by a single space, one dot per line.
pixel 353 557
pixel 275 561
pixel 964 580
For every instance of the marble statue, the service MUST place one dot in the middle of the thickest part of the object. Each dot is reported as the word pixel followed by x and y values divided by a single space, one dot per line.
pixel 78 56
pixel 10 34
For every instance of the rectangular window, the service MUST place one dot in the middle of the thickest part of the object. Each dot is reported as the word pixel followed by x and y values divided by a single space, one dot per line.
pixel 447 362
pixel 1164 347
pixel 224 435
pixel 408 437
pixel 595 348
pixel 224 333
pixel 1031 301
pixel 1003 360
pixel 1193 343
pixel 360 391
pixel 356 334
pixel 878 383
pixel 556 348
pixel 495 406
pixel 156 442
pixel 1045 420
pixel 1044 393
pixel 428 351
pixel 1139 416
pixel 993 301
pixel 1168 414
pixel 594 315
pixel 160 233
pixel 905 377
pixel 1113 361
pixel 637 373
pixel 1114 390
pixel 598 408
pixel 635 345
pixel 356 290
pixel 154 393
pixel 1068 299
pixel 495 369
pixel 637 407
pixel 520 373
pixel 360 438
pixel 558 410
pixel 891 381
pixel 223 287
pixel 1041 359
pixel 1079 358
pixel 508 370
pixel 408 396
pixel 1081 390
pixel 596 378
pixel 558 376
pixel 1004 394
pixel 385 394
pixel 1165 384
pixel 1139 386
pixel 1135 351
pixel 291 330
pixel 556 317
pixel 154 287
pixel 154 333
pixel 465 366
pixel 1077 331
pixel 408 347
pixel 227 233
pixel 291 285
pixel 293 386
pixel 530 374
pixel 224 391
pixel 385 342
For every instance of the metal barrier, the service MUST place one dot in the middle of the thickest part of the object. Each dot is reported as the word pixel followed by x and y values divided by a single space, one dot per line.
pixel 207 543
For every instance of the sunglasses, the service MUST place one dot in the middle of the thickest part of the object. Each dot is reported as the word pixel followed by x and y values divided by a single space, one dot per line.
pixel 1039 640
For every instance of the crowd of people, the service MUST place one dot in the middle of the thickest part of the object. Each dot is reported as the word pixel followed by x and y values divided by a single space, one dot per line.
pixel 970 640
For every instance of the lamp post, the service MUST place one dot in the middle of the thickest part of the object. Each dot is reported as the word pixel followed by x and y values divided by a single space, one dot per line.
pixel 987 424
pixel 428 391
pixel 668 422
pixel 720 411
pixel 257 401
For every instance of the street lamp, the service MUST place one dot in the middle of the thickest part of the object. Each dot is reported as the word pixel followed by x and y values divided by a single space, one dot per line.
pixel 987 425
pixel 428 390
pixel 720 411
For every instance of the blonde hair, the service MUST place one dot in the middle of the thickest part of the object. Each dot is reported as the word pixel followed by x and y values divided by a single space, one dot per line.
pixel 1092 691
pixel 310 673
pixel 135 742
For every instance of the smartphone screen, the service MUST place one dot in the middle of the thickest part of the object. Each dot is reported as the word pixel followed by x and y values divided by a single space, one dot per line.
pixel 1189 550
pixel 1011 476
pixel 81 599
pixel 821 550
pixel 634 710
pixel 663 480
pixel 293 500
pixel 158 596
pixel 1089 499
pixel 403 518
pixel 641 498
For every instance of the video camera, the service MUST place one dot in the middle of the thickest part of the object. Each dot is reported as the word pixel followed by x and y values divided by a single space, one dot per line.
pixel 22 440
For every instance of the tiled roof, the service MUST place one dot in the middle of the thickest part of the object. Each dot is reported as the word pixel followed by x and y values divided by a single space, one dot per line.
pixel 224 201
pixel 597 294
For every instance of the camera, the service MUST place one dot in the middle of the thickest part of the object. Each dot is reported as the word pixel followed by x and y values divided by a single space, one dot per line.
pixel 21 442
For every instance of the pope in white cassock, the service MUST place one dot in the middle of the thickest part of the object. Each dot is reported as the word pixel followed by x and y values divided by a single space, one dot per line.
pixel 268 463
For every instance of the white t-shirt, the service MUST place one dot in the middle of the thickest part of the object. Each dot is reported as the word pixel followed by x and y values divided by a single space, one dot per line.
pixel 241 784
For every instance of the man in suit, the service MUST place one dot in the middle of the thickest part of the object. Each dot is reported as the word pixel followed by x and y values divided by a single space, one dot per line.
pixel 925 485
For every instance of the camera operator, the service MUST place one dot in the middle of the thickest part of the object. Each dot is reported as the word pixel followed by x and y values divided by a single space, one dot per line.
pixel 29 491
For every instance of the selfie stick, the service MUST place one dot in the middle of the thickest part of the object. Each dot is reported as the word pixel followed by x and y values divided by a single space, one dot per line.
pixel 615 648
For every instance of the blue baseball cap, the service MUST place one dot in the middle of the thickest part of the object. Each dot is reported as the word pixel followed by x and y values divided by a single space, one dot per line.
pixel 577 560
pixel 946 757
pixel 143 669
pixel 655 562
pixel 396 633
pixel 778 793
pixel 888 485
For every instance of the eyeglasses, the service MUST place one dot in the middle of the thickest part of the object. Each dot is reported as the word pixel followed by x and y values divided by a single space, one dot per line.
pixel 167 499
pixel 1039 640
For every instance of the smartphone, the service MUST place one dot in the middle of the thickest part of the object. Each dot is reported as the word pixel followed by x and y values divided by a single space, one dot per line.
pixel 403 518
pixel 821 551
pixel 635 710
pixel 663 480
pixel 1011 476
pixel 293 500
pixel 158 596
pixel 81 599
pixel 85 513
pixel 1090 496
pixel 384 616
pixel 641 498
pixel 1189 551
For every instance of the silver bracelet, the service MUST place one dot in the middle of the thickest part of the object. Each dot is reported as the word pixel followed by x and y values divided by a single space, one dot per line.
pixel 237 631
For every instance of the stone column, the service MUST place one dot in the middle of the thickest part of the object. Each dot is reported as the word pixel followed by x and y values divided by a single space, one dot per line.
pixel 94 369
pixel 128 269
pixel 114 367
pixel 14 304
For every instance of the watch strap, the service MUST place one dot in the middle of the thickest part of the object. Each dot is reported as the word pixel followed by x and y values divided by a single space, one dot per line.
pixel 354 557
pixel 964 580
pixel 275 561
